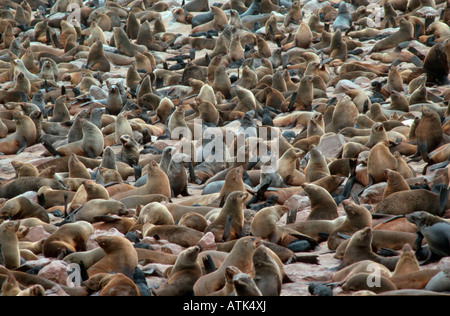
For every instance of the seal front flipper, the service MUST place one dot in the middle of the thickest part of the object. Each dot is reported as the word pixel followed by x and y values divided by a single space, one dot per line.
pixel 137 172
pixel 50 148
pixel 22 145
pixel 227 229
pixel 443 198
pixel 209 264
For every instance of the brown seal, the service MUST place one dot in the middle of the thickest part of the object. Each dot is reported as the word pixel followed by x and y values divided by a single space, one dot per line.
pixel 317 166
pixel 233 182
pixel 10 244
pixel 157 183
pixel 430 137
pixel 96 59
pixel 21 207
pixel 241 257
pixel 99 207
pixel 107 284
pixel 360 248
pixel 408 274
pixel 183 275
pixel 193 220
pixel 123 43
pixel 361 282
pixel 180 235
pixel 287 165
pixel 134 200
pixel 91 145
pixel 269 271
pixel 395 183
pixel 154 213
pixel 405 33
pixel 360 266
pixel 24 169
pixel 107 222
pixel 69 238
pixel 357 217
pixel 24 135
pixel 48 197
pixel 217 23
pixel 12 288
pixel 323 206
pixel 380 158
pixel 405 202
pixel 344 115
pixel 77 169
pixel 121 256
pixel 234 209
pixel 264 224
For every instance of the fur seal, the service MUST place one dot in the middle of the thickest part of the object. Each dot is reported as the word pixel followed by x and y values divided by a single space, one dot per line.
pixel 157 183
pixel 317 166
pixel 91 145
pixel 360 248
pixel 405 202
pixel 21 207
pixel 436 231
pixel 395 183
pixel 404 33
pixel 69 238
pixel 323 206
pixel 241 256
pixel 357 217
pixel 380 158
pixel 121 256
pixel 24 135
pixel 99 207
pixel 10 254
pixel 180 235
pixel 233 208
pixel 108 284
pixel 155 213
pixel 183 275
pixel 343 19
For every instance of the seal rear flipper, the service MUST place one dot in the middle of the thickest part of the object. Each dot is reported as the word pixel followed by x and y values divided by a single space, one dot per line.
pixel 343 236
pixel 185 192
pixel 83 271
pixel 323 235
pixel 137 172
pixel 307 258
pixel 439 165
pixel 385 252
pixel 311 241
pixel 292 102
pixel 432 257
pixel 192 176
pixel 291 216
